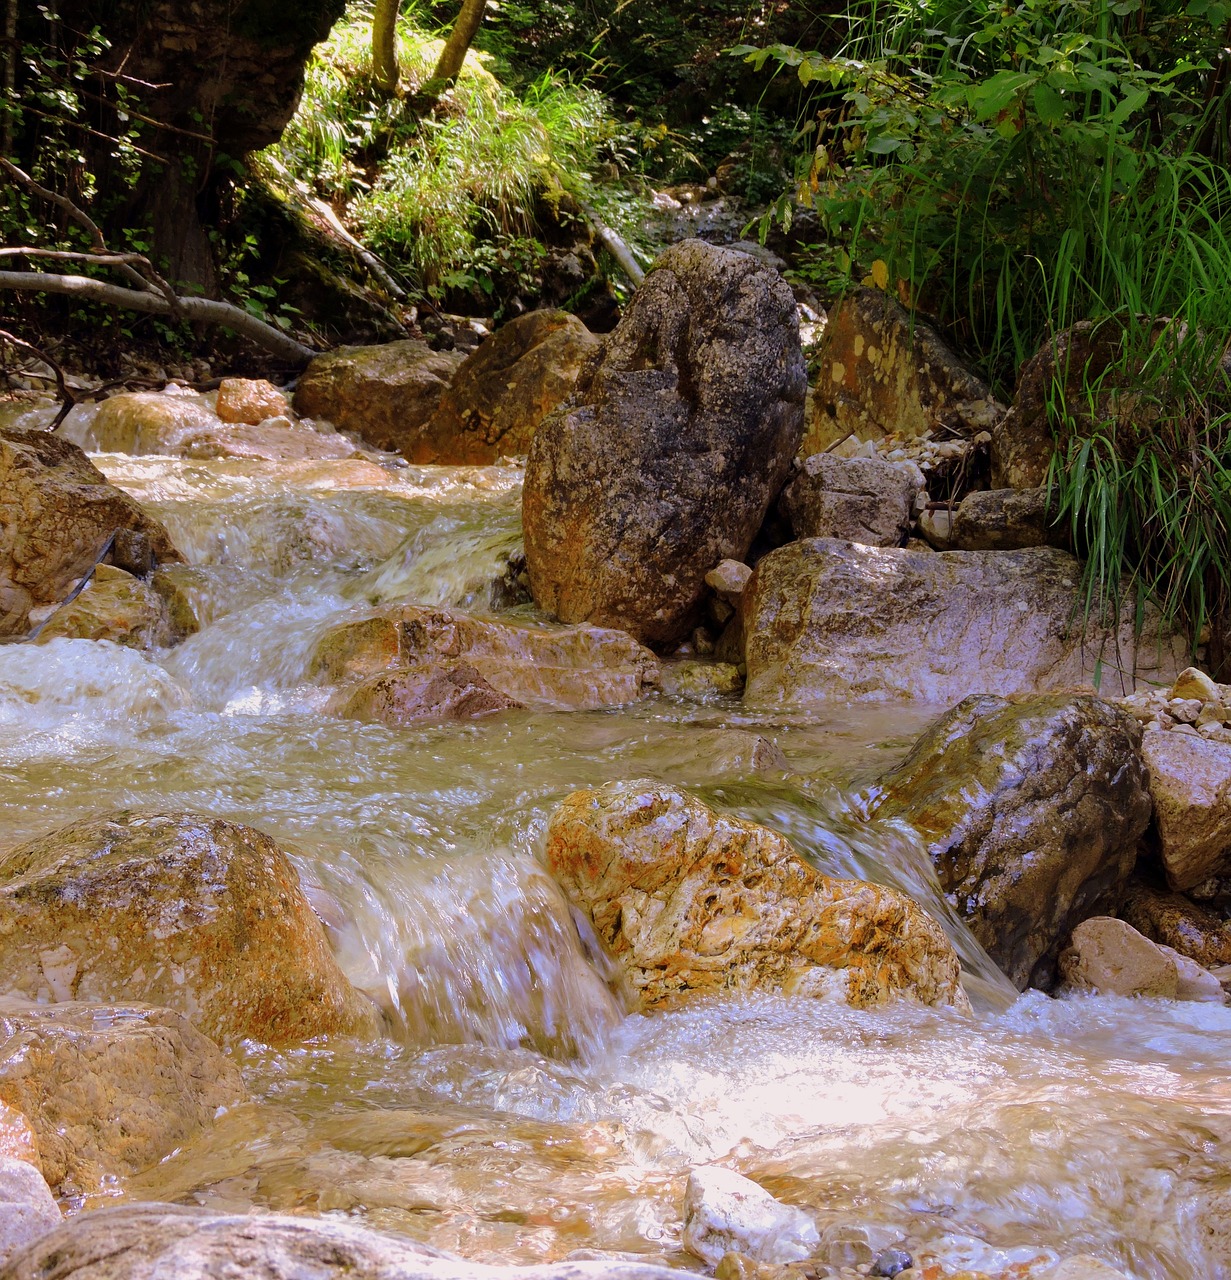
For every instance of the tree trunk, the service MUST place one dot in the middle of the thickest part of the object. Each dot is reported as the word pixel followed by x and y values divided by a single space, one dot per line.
pixel 384 46
pixel 454 53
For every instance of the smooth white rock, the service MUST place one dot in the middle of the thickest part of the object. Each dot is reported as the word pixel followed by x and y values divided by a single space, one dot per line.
pixel 725 1212
pixel 27 1208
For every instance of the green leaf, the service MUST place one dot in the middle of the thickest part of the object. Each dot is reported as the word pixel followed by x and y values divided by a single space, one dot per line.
pixel 1049 104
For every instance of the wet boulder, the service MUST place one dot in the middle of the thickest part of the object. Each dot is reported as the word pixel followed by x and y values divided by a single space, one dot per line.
pixel 1175 921
pixel 829 620
pixel 884 372
pixel 407 696
pixel 691 902
pixel 27 1208
pixel 384 394
pixel 1006 520
pixel 679 435
pixel 504 389
pixel 1031 812
pixel 17 1138
pixel 177 909
pixel 272 440
pixel 1109 956
pixel 1190 784
pixel 725 1212
pixel 553 668
pixel 864 500
pixel 113 606
pixel 249 400
pixel 153 1241
pixel 151 422
pixel 109 1089
pixel 57 511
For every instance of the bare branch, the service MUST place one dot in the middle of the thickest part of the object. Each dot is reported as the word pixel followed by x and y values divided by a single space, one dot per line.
pixel 67 398
pixel 198 310
pixel 100 259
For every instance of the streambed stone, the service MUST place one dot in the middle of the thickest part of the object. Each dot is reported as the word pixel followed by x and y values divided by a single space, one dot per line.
pixel 692 902
pixel 57 511
pixel 1031 812
pixel 826 620
pixel 557 668
pixel 1190 784
pixel 725 1212
pixel 249 400
pixel 27 1208
pixel 153 1241
pixel 1175 921
pixel 177 909
pixel 109 1089
pixel 679 434
pixel 504 389
pixel 384 394
pixel 114 606
pixel 405 696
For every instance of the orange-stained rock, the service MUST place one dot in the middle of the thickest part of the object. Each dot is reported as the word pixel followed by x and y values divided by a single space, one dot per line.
pixel 250 400
pixel 401 697
pixel 883 372
pixel 177 909
pixel 17 1138
pixel 505 388
pixel 109 1090
pixel 557 668
pixel 57 511
pixel 692 902
pixel 385 394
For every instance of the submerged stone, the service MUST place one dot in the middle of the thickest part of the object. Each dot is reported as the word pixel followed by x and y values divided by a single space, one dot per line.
pixel 177 909
pixel 692 902
pixel 408 696
pixel 109 1089
pixel 157 1241
pixel 1031 812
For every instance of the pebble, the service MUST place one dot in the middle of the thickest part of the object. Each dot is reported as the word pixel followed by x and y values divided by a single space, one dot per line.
pixel 891 1262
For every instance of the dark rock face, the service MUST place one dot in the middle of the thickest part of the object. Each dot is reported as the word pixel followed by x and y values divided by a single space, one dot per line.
pixel 213 68
pixel 57 511
pixel 680 433
pixel 1177 922
pixel 1032 812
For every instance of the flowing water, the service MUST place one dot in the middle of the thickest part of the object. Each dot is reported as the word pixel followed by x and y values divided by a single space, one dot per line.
pixel 515 1112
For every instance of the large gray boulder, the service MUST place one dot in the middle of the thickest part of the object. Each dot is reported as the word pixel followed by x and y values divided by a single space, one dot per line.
pixel 157 1241
pixel 680 434
pixel 1031 811
pixel 831 620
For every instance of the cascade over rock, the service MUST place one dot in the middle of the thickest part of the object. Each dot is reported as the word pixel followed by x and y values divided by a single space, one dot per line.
pixel 109 1089
pixel 57 511
pixel 692 902
pixel 830 620
pixel 176 909
pixel 679 434
pixel 1031 811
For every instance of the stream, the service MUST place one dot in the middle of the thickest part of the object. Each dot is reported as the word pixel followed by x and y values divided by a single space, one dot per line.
pixel 515 1113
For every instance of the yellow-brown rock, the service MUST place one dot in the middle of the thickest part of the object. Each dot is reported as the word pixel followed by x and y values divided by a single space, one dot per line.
pixel 504 389
pixel 57 511
pixel 385 394
pixel 557 668
pixel 109 1090
pixel 114 606
pixel 1190 784
pixel 884 373
pixel 1175 921
pixel 691 902
pixel 408 696
pixel 250 400
pixel 151 422
pixel 177 909
pixel 17 1139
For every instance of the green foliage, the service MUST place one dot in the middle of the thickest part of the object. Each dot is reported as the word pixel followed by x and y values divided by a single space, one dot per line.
pixel 454 197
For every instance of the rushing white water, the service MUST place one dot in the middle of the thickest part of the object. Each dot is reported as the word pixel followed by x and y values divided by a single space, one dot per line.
pixel 516 1112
